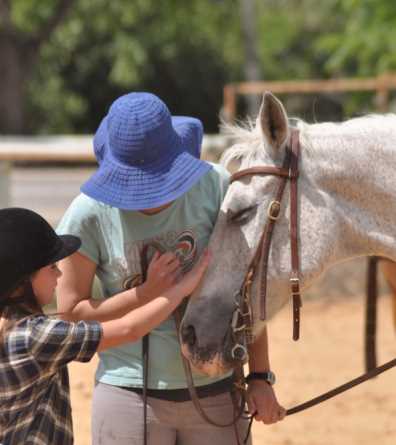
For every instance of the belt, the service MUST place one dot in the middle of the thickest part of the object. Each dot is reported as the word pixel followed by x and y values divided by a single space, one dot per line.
pixel 182 394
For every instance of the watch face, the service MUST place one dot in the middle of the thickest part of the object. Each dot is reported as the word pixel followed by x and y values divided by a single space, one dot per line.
pixel 270 378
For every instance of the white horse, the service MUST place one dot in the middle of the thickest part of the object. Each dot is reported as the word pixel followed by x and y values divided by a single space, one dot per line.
pixel 346 209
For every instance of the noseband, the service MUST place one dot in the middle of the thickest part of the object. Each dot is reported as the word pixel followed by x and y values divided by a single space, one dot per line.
pixel 242 320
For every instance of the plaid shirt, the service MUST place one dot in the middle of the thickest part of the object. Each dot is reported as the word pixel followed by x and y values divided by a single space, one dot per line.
pixel 34 382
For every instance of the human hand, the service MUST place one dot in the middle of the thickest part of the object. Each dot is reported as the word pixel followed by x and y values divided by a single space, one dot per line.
pixel 162 273
pixel 262 402
pixel 190 281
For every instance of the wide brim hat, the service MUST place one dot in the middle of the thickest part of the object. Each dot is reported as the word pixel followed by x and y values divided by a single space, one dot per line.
pixel 147 158
pixel 28 243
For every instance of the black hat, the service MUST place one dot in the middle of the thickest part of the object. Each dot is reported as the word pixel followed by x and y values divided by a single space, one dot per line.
pixel 28 243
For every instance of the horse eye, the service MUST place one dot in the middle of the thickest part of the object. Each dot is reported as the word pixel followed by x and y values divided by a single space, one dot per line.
pixel 241 216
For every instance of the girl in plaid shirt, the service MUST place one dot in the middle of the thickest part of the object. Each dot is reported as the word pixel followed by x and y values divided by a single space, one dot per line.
pixel 35 348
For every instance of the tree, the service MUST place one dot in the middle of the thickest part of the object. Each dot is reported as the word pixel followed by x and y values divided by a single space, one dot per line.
pixel 250 44
pixel 183 51
pixel 20 44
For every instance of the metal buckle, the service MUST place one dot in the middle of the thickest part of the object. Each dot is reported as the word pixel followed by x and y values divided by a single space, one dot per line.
pixel 295 286
pixel 274 210
pixel 245 354
pixel 235 319
pixel 249 336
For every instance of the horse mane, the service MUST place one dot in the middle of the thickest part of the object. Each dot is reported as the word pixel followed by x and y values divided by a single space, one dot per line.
pixel 249 143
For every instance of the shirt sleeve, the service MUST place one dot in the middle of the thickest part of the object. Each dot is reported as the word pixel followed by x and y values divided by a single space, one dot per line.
pixel 81 220
pixel 54 343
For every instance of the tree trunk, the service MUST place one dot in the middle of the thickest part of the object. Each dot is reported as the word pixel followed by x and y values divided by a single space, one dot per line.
pixel 15 67
pixel 18 55
pixel 252 63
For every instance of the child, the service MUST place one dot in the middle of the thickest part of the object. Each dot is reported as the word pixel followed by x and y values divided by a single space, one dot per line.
pixel 35 348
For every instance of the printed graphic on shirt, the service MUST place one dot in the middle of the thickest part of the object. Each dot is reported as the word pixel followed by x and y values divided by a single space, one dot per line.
pixel 183 244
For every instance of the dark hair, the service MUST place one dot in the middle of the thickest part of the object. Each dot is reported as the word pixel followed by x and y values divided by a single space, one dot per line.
pixel 17 306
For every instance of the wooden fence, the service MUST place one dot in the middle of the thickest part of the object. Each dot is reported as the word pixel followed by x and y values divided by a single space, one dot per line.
pixel 66 150
pixel 381 85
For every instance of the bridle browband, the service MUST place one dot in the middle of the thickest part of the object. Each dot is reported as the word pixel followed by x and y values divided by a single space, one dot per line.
pixel 288 172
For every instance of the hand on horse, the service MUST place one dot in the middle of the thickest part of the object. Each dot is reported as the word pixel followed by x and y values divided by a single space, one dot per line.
pixel 263 404
pixel 190 281
pixel 162 274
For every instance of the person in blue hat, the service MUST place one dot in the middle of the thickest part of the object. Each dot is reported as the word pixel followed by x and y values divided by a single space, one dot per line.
pixel 36 347
pixel 151 195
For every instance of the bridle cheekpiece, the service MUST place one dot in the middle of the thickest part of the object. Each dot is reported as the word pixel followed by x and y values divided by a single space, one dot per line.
pixel 242 320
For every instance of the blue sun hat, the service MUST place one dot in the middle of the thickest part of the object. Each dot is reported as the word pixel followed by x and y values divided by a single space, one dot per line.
pixel 147 158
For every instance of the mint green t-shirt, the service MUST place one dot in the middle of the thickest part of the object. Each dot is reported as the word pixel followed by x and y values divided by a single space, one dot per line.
pixel 114 239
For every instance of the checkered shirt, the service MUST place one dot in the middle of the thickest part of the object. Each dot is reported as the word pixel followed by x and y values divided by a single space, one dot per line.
pixel 34 382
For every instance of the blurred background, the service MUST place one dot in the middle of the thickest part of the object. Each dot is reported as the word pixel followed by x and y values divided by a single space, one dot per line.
pixel 64 61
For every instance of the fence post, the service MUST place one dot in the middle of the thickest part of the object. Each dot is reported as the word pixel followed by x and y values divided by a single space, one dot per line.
pixel 229 109
pixel 5 177
pixel 382 96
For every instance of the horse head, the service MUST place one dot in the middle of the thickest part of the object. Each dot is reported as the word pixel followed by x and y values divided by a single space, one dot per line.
pixel 335 213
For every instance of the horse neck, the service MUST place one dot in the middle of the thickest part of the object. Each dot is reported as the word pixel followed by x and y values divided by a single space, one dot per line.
pixel 352 166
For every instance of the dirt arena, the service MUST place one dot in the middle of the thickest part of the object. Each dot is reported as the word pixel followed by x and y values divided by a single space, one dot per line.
pixel 329 353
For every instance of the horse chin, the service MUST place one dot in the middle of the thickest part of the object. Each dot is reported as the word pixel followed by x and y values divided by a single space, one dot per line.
pixel 211 368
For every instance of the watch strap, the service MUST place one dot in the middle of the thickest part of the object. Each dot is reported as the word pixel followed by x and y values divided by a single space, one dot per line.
pixel 267 376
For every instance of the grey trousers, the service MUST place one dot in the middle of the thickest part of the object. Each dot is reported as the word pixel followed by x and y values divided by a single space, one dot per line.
pixel 117 419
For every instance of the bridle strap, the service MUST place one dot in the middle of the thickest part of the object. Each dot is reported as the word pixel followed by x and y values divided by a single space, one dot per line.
pixel 288 171
pixel 260 170
pixel 295 259
pixel 267 239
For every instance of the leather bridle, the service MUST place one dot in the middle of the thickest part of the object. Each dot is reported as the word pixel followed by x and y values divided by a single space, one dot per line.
pixel 288 172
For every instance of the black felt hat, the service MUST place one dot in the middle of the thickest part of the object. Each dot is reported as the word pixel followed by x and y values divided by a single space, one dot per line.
pixel 28 243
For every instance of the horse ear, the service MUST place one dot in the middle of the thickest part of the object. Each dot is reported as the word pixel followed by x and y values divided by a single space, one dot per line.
pixel 273 121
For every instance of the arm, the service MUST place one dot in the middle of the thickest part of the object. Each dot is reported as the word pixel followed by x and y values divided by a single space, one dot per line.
pixel 260 394
pixel 75 284
pixel 142 320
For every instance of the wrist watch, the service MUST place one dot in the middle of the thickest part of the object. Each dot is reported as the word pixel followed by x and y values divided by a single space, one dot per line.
pixel 267 376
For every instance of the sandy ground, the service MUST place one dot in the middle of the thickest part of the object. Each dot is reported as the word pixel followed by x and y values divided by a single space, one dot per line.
pixel 329 353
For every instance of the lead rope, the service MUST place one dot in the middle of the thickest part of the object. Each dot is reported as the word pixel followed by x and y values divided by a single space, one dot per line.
pixel 332 393
pixel 239 384
pixel 145 348
pixel 237 411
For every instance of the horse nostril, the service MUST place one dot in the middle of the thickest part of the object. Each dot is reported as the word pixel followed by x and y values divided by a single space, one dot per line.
pixel 188 335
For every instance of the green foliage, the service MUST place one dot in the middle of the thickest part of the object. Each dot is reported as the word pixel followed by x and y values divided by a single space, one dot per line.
pixel 187 51
pixel 28 16
pixel 170 47
pixel 365 42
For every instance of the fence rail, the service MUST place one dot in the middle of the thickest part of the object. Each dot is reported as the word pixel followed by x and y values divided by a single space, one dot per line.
pixel 381 85
pixel 66 150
